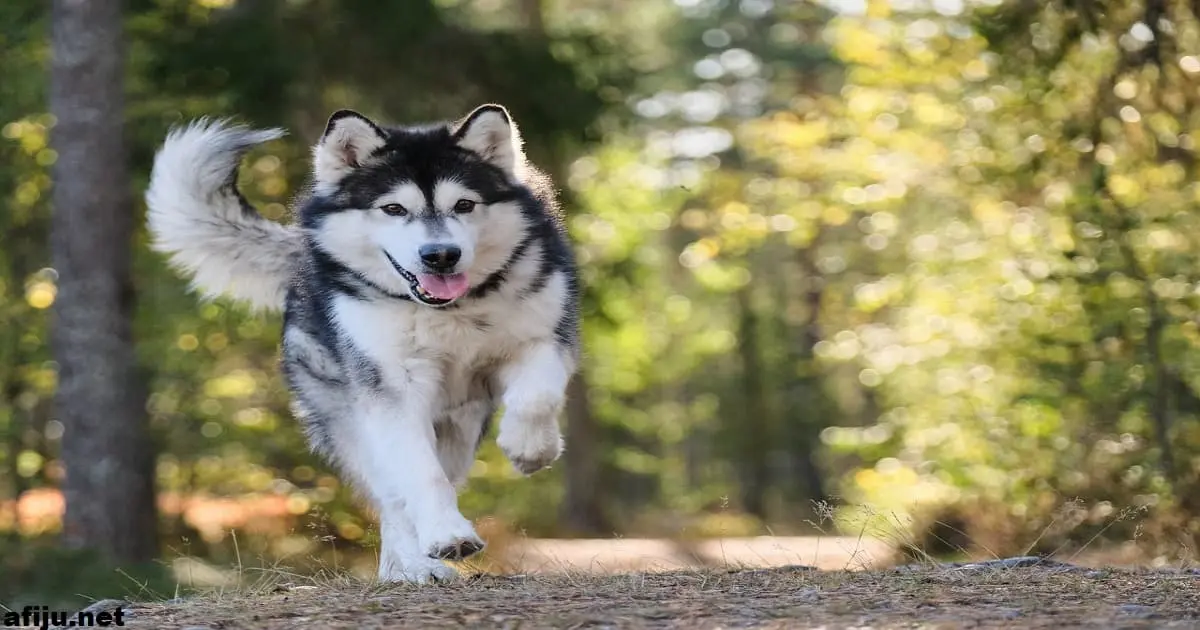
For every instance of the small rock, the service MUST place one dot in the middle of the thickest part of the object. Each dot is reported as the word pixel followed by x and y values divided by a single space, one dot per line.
pixel 1136 610
pixel 1019 562
pixel 105 605
pixel 1179 571
pixel 1010 613
pixel 788 568
pixel 808 595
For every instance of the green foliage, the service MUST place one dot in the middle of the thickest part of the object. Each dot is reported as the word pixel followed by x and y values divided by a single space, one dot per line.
pixel 1035 349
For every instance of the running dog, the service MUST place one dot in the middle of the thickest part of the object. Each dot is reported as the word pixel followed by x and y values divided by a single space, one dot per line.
pixel 426 281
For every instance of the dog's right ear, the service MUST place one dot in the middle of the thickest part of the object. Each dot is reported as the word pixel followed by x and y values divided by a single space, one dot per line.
pixel 348 142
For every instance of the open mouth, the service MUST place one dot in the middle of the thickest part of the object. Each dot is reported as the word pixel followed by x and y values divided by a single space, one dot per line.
pixel 432 289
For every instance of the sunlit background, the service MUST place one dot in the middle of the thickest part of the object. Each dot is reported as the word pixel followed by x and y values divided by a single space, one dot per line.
pixel 916 272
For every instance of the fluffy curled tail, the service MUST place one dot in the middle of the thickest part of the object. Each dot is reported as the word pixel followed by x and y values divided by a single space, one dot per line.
pixel 198 217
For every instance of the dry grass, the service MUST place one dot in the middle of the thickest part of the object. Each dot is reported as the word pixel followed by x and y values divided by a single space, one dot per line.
pixel 630 583
pixel 785 597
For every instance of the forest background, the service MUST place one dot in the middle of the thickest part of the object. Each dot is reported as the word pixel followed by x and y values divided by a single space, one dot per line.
pixel 923 270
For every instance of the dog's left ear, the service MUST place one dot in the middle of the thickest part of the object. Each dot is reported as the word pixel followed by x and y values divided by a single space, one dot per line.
pixel 491 133
pixel 348 142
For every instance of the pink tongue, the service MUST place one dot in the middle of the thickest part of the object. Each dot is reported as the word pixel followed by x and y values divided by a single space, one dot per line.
pixel 446 287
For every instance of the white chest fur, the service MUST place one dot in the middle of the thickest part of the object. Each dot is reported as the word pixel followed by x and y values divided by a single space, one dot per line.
pixel 410 342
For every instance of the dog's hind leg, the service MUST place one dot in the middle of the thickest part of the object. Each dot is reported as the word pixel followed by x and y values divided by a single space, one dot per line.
pixel 459 433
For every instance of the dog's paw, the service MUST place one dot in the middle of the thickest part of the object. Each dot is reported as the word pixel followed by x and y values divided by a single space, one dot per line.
pixel 527 465
pixel 457 549
pixel 451 538
pixel 531 446
pixel 416 570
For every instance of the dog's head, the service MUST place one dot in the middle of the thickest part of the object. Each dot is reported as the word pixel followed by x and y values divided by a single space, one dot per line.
pixel 430 211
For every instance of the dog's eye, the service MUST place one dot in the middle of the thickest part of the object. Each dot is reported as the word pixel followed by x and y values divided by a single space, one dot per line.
pixel 463 206
pixel 394 209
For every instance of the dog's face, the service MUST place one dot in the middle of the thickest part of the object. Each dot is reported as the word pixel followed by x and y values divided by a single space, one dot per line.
pixel 427 211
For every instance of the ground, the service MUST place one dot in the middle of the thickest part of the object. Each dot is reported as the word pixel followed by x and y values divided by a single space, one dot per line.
pixel 1012 593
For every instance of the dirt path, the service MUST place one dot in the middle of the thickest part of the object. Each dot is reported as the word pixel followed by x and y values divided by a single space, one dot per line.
pixel 999 594
pixel 627 555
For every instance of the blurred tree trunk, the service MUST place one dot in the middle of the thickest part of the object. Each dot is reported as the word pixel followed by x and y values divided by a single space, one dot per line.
pixel 808 408
pixel 109 487
pixel 1160 402
pixel 582 507
pixel 754 423
pixel 533 14
pixel 583 500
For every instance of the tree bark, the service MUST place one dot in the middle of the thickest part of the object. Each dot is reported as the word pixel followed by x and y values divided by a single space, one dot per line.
pixel 534 16
pixel 109 486
pixel 1160 402
pixel 808 407
pixel 754 424
pixel 583 507
pixel 582 510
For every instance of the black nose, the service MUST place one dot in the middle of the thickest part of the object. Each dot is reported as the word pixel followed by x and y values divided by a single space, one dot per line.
pixel 439 256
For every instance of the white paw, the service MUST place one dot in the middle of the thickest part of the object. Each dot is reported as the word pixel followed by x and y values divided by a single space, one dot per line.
pixel 416 570
pixel 531 441
pixel 452 538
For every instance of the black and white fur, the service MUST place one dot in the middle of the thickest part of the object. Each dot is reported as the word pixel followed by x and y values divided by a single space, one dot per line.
pixel 395 384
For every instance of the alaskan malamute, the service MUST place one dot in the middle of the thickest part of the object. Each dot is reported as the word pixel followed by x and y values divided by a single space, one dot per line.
pixel 426 281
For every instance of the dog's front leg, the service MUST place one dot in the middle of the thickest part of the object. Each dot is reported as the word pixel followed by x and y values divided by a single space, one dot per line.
pixel 401 558
pixel 534 384
pixel 418 505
